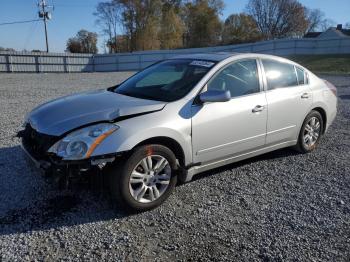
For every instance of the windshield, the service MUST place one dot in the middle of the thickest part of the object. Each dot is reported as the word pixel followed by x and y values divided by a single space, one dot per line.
pixel 166 81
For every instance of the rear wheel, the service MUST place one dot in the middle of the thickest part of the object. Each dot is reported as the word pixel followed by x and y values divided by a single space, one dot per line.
pixel 310 133
pixel 146 179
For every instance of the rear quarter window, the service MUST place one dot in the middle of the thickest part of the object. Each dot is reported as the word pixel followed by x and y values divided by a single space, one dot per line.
pixel 301 76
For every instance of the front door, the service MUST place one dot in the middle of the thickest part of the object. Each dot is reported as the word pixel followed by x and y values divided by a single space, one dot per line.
pixel 224 129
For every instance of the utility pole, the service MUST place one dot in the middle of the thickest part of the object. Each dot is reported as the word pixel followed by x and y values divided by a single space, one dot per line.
pixel 45 14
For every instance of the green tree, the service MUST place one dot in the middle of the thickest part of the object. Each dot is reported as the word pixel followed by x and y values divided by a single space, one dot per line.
pixel 141 22
pixel 203 23
pixel 240 28
pixel 83 42
pixel 171 27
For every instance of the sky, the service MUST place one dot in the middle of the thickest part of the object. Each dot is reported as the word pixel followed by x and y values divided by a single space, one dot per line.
pixel 69 16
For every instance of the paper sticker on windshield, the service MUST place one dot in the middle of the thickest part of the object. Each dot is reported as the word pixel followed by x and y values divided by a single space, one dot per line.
pixel 202 63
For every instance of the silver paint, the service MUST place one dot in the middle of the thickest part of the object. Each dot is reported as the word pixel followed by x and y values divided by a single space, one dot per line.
pixel 211 134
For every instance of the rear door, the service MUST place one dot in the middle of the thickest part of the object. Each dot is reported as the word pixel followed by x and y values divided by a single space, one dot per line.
pixel 289 99
pixel 224 129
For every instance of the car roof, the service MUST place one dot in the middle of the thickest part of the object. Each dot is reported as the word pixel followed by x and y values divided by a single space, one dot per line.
pixel 217 57
pixel 220 56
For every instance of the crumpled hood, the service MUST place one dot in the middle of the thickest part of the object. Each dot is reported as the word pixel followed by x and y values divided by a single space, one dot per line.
pixel 64 114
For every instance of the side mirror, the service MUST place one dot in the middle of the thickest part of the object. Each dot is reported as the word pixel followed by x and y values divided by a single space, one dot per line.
pixel 215 96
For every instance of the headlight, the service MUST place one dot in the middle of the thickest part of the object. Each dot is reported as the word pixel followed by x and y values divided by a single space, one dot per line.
pixel 81 144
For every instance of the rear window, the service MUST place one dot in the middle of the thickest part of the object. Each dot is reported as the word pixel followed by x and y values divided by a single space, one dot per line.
pixel 279 74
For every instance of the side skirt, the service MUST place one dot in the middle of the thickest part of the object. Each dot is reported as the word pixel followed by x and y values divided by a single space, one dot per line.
pixel 188 174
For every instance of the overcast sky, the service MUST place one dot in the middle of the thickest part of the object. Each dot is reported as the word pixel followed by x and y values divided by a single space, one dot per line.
pixel 70 16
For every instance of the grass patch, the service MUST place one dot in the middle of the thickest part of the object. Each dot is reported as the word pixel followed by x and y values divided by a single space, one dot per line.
pixel 329 64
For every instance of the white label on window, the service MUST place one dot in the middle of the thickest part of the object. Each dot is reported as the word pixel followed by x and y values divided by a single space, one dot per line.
pixel 202 63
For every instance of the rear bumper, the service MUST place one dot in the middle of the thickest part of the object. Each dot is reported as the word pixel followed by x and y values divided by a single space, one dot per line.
pixel 331 119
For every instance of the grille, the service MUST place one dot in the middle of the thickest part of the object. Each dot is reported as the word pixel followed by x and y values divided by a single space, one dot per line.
pixel 36 143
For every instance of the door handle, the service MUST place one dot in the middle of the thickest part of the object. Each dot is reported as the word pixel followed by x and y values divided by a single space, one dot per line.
pixel 258 108
pixel 305 95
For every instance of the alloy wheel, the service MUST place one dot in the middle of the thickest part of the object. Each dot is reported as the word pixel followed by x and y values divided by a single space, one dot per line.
pixel 311 132
pixel 150 179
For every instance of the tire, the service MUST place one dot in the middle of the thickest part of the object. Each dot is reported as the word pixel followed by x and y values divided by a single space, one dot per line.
pixel 307 145
pixel 125 187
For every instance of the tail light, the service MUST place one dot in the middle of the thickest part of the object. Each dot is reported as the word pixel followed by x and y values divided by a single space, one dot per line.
pixel 331 87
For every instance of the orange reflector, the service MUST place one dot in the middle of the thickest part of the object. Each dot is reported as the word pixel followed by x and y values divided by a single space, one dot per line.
pixel 97 142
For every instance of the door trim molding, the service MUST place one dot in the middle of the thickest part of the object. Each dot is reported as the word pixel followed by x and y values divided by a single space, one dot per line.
pixel 210 149
pixel 253 152
pixel 281 129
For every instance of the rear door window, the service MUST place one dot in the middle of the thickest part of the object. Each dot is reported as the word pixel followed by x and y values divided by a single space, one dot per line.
pixel 279 74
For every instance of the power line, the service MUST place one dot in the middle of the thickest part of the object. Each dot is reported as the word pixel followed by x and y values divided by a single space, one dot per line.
pixel 31 33
pixel 19 22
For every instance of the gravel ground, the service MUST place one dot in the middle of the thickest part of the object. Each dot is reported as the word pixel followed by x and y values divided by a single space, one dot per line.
pixel 279 206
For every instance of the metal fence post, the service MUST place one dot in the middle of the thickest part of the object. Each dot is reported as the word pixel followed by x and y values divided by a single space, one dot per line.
pixel 68 64
pixel 37 67
pixel 65 66
pixel 9 63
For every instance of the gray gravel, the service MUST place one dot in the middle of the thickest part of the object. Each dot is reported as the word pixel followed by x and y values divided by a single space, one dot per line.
pixel 279 206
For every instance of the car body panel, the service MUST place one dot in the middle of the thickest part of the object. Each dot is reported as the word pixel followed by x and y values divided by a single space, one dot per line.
pixel 67 113
pixel 228 128
pixel 157 124
pixel 283 114
pixel 211 134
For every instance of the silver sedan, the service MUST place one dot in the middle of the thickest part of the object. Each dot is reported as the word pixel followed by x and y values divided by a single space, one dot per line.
pixel 177 118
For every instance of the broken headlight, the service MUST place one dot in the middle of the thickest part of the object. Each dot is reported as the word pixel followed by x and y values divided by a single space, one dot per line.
pixel 80 144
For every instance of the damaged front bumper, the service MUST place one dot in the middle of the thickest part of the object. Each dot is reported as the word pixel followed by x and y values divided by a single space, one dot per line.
pixel 57 164
pixel 39 164
pixel 63 172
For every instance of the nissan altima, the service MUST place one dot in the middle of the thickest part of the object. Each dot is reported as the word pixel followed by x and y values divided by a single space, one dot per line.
pixel 177 118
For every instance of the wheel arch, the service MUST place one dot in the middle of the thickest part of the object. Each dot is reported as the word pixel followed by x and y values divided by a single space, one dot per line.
pixel 324 116
pixel 171 143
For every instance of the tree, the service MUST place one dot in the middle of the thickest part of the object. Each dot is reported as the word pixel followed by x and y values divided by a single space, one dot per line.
pixel 203 25
pixel 159 24
pixel 108 18
pixel 315 18
pixel 7 49
pixel 317 21
pixel 171 27
pixel 240 28
pixel 141 22
pixel 327 23
pixel 278 18
pixel 83 42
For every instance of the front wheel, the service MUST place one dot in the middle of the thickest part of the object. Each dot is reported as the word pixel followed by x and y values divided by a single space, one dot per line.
pixel 310 132
pixel 146 179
